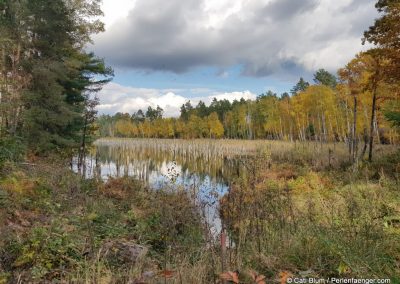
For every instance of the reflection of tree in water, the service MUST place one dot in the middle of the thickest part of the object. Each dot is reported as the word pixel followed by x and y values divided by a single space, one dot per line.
pixel 203 168
pixel 141 158
pixel 172 171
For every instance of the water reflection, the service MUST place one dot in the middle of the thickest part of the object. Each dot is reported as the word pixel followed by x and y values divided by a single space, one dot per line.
pixel 139 159
pixel 202 170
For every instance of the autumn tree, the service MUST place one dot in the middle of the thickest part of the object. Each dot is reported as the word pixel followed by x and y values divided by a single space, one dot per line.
pixel 215 127
pixel 354 76
pixel 385 35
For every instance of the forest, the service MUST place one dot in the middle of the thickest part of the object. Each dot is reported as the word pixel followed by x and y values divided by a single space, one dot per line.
pixel 284 117
pixel 303 184
pixel 47 77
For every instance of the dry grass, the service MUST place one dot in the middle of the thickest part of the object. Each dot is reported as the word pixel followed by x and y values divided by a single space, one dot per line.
pixel 314 154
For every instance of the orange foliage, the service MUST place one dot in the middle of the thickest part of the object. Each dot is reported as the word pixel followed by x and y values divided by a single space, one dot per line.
pixel 232 276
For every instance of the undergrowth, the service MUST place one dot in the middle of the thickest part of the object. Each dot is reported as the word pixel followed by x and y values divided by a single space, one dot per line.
pixel 55 227
pixel 284 216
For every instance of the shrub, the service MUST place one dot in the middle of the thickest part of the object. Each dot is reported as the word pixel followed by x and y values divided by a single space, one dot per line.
pixel 11 149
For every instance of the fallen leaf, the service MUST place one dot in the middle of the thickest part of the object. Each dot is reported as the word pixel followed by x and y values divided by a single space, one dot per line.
pixel 257 278
pixel 260 279
pixel 284 275
pixel 230 276
pixel 167 273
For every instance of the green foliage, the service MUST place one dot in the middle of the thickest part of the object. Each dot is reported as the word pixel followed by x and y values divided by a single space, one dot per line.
pixel 392 113
pixel 310 132
pixel 4 198
pixel 11 149
pixel 47 100
pixel 393 117
pixel 153 114
pixel 48 249
pixel 301 86
pixel 186 110
pixel 325 78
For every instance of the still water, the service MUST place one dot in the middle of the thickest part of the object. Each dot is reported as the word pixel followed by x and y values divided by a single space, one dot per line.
pixel 204 169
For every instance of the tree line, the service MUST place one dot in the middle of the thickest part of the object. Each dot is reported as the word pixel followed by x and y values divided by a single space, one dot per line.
pixel 359 104
pixel 321 112
pixel 48 80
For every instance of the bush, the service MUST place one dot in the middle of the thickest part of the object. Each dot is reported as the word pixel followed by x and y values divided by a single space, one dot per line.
pixel 308 221
pixel 48 250
pixel 11 149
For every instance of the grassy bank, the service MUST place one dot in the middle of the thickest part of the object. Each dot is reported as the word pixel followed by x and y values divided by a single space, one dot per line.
pixel 56 227
pixel 284 216
pixel 291 212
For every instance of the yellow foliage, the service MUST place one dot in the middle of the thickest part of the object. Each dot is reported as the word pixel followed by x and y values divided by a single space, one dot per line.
pixel 215 127
pixel 125 128
pixel 19 183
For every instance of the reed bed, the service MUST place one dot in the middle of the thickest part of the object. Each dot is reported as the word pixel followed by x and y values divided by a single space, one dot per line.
pixel 318 155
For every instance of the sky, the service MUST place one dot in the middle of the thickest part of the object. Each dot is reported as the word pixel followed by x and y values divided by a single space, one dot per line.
pixel 167 52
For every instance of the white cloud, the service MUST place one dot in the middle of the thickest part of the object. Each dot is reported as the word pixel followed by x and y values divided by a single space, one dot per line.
pixel 117 98
pixel 264 36
pixel 116 10
pixel 230 96
pixel 170 102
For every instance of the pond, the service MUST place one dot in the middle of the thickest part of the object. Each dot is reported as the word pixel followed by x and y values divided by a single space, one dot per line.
pixel 203 168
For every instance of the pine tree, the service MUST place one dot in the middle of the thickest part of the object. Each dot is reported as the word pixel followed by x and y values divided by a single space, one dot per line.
pixel 325 78
pixel 299 87
pixel 53 102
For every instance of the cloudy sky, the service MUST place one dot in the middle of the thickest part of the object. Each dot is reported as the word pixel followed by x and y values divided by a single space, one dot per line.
pixel 166 52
